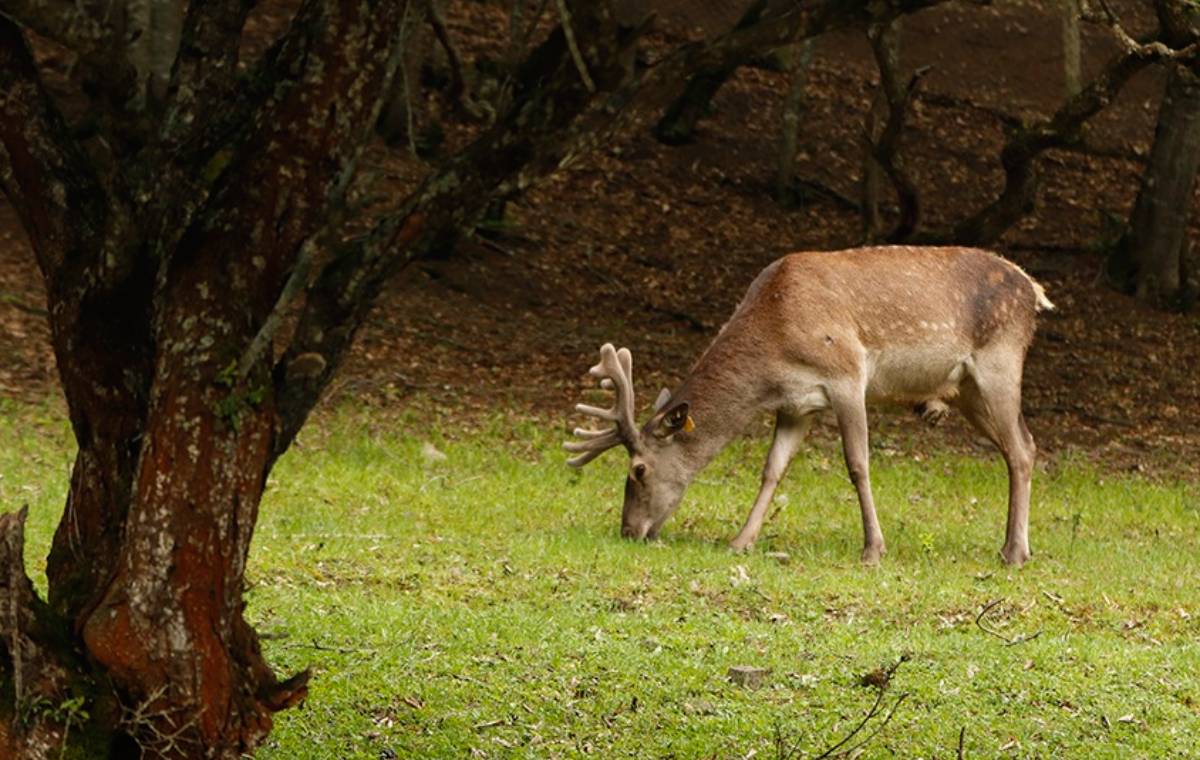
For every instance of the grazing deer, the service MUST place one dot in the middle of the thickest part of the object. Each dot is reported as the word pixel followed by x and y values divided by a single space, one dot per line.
pixel 933 327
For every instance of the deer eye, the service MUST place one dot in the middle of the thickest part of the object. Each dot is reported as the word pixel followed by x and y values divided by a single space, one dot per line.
pixel 639 472
pixel 675 420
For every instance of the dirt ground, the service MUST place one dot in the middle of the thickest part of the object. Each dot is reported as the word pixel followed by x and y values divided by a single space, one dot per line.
pixel 651 246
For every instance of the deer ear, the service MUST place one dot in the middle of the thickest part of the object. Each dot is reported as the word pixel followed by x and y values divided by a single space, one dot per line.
pixel 676 420
pixel 663 397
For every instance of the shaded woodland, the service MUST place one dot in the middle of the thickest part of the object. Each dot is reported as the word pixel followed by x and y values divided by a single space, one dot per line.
pixel 220 214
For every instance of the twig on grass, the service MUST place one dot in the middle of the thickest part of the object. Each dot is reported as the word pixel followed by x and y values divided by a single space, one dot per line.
pixel 866 719
pixel 326 648
pixel 881 686
pixel 1008 642
pixel 962 736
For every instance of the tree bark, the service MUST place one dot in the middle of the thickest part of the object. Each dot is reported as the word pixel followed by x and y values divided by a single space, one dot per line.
pixel 793 108
pixel 1072 59
pixel 147 564
pixel 1151 259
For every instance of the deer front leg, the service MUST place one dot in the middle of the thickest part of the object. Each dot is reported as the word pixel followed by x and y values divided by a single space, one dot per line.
pixel 789 432
pixel 851 414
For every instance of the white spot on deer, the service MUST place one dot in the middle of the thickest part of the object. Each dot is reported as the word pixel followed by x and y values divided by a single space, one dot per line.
pixel 259 263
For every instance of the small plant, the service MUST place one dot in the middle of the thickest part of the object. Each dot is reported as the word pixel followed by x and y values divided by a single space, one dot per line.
pixel 68 713
pixel 928 547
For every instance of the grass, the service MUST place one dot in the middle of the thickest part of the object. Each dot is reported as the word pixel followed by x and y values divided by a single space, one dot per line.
pixel 484 605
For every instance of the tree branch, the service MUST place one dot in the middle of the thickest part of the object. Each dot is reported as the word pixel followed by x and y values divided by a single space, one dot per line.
pixel 552 116
pixel 885 150
pixel 1060 130
pixel 43 170
pixel 205 70
pixel 63 21
pixel 276 183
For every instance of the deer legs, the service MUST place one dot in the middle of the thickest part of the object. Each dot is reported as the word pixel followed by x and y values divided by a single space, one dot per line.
pixel 991 400
pixel 851 411
pixel 789 432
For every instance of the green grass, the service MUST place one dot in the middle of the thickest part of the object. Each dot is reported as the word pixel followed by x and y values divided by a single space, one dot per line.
pixel 484 606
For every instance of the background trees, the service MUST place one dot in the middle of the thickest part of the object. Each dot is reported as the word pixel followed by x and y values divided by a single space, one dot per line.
pixel 212 235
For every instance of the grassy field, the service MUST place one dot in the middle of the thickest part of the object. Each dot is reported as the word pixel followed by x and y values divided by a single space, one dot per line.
pixel 484 606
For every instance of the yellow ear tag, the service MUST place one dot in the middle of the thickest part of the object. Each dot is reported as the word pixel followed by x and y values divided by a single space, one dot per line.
pixel 689 424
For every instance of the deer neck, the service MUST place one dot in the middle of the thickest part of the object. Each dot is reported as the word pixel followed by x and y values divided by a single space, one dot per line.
pixel 725 392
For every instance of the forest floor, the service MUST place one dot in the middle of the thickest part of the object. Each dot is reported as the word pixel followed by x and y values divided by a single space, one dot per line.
pixel 651 246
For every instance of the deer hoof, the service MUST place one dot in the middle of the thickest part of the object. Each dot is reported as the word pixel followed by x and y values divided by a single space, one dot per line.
pixel 871 555
pixel 741 545
pixel 1015 556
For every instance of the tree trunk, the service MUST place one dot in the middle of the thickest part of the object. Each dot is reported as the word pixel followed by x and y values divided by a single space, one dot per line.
pixel 398 120
pixel 1072 68
pixel 1156 246
pixel 885 41
pixel 793 108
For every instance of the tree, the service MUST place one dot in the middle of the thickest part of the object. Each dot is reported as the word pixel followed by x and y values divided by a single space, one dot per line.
pixel 171 243
pixel 799 58
pixel 1151 259
pixel 882 143
pixel 176 225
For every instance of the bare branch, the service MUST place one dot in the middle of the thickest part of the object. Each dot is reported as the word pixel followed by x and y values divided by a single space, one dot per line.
pixel 19 305
pixel 572 45
pixel 553 118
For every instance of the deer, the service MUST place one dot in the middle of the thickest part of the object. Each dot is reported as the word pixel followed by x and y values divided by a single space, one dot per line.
pixel 932 327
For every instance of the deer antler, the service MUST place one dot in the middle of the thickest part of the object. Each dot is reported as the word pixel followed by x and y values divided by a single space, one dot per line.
pixel 615 371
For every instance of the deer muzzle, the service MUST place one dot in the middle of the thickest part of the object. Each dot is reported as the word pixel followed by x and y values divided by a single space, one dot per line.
pixel 636 530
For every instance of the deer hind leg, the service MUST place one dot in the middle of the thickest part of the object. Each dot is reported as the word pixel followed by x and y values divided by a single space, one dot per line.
pixel 991 400
pixel 851 411
pixel 789 432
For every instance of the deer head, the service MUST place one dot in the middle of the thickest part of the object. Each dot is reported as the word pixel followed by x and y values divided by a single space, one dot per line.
pixel 658 475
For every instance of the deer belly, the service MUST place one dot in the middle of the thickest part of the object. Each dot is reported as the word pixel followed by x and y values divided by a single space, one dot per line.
pixel 915 373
